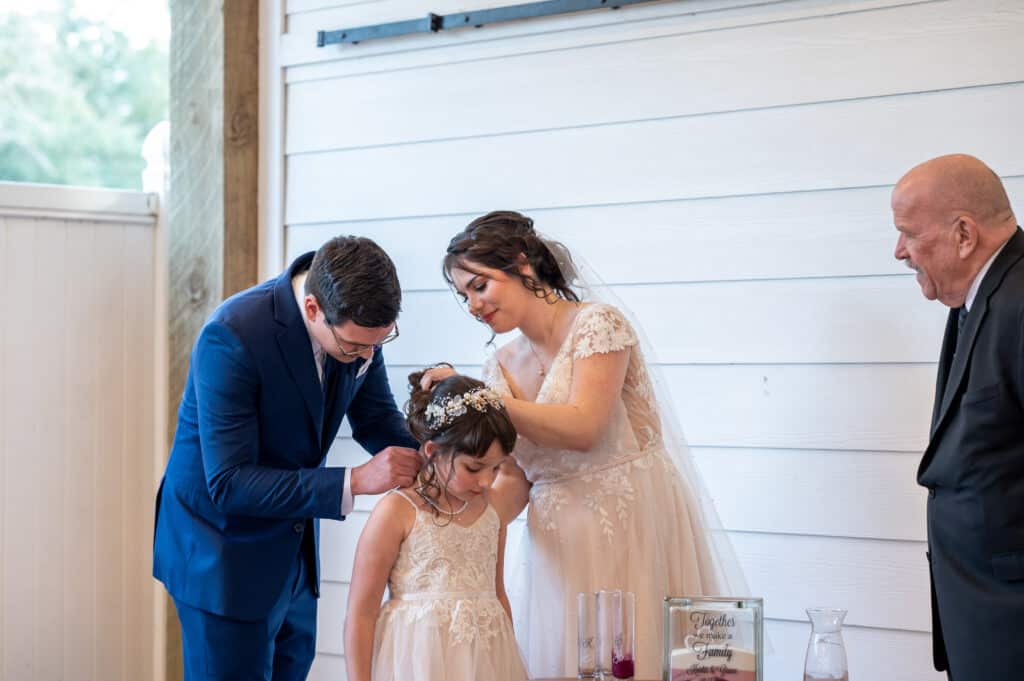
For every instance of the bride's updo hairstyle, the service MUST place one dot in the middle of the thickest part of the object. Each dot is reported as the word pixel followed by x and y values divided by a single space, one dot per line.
pixel 497 239
pixel 434 415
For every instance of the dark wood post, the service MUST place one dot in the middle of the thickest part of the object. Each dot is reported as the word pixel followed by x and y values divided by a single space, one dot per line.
pixel 212 198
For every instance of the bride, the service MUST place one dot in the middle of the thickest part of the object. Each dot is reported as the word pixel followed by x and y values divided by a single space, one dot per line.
pixel 613 497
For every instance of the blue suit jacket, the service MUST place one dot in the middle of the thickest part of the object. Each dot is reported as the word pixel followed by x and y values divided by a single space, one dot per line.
pixel 246 470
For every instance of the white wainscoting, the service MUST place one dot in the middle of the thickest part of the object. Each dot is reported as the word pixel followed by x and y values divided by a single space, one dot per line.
pixel 726 165
pixel 78 424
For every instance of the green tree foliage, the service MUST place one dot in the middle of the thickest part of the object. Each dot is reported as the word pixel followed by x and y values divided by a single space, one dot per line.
pixel 76 100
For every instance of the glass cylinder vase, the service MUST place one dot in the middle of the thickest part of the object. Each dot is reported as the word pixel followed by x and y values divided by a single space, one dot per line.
pixel 624 634
pixel 609 609
pixel 586 635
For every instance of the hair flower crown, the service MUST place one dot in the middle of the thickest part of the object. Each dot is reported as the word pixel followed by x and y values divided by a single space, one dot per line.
pixel 442 412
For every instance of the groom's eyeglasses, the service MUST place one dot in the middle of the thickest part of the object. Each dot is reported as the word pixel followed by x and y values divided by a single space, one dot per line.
pixel 360 348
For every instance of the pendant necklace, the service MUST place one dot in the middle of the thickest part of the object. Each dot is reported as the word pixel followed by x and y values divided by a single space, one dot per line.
pixel 433 504
pixel 542 370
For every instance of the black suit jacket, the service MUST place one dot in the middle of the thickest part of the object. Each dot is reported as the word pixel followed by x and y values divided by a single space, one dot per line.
pixel 974 471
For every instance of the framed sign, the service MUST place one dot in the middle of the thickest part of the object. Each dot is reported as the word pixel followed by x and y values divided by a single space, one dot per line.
pixel 713 639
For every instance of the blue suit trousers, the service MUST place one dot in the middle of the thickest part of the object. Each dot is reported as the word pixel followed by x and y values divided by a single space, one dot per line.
pixel 279 647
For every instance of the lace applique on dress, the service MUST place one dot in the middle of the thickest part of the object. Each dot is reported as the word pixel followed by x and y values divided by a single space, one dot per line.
pixel 600 329
pixel 444 612
pixel 439 563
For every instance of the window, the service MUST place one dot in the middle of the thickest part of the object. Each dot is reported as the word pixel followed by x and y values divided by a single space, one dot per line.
pixel 82 83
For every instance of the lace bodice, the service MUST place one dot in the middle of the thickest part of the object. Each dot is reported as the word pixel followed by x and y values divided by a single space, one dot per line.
pixel 445 573
pixel 634 426
pixel 440 557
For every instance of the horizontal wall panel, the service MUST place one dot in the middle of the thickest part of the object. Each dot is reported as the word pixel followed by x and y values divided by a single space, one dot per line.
pixel 293 7
pixel 832 320
pixel 664 77
pixel 790 235
pixel 330 615
pixel 327 667
pixel 843 494
pixel 338 546
pixel 557 32
pixel 824 406
pixel 805 407
pixel 825 146
pixel 801 321
pixel 881 583
pixel 874 654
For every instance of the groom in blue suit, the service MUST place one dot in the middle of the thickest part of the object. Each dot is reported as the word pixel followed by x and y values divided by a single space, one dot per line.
pixel 272 374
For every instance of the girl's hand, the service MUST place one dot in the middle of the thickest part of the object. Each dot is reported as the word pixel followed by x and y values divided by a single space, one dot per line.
pixel 436 374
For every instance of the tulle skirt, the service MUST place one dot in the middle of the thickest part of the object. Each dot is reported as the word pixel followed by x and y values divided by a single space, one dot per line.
pixel 446 638
pixel 634 526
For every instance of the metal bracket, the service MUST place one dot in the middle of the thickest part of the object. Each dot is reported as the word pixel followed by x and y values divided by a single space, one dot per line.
pixel 433 23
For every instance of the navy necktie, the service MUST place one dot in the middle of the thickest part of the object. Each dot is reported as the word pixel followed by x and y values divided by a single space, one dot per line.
pixel 961 323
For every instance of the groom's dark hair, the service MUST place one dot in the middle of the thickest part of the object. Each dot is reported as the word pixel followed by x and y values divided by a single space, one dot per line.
pixel 353 279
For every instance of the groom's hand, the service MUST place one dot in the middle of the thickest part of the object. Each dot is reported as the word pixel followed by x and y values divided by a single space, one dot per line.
pixel 391 467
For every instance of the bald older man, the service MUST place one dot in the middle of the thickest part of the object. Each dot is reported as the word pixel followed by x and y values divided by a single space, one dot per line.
pixel 958 232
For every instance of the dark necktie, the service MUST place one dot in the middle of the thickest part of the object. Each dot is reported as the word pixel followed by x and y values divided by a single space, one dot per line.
pixel 961 323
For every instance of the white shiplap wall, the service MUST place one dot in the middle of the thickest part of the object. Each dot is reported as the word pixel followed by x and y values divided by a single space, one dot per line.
pixel 78 428
pixel 740 154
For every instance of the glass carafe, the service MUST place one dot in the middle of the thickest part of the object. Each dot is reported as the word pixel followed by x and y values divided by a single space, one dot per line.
pixel 826 654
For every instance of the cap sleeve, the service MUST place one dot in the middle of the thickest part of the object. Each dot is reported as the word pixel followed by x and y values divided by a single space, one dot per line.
pixel 601 329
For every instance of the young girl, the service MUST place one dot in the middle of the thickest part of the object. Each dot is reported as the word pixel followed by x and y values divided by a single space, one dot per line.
pixel 439 547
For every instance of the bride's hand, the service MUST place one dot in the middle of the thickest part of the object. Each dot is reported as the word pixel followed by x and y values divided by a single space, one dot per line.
pixel 436 374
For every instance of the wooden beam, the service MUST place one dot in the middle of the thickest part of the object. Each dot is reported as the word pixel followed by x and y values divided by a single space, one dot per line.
pixel 241 144
pixel 212 197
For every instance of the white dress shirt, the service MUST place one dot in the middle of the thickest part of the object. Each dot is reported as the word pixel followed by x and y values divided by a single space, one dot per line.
pixel 972 292
pixel 320 357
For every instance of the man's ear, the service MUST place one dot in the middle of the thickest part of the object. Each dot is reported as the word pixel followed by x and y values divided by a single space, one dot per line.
pixel 966 233
pixel 310 307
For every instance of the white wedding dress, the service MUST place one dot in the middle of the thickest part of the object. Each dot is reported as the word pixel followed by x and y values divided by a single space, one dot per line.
pixel 443 620
pixel 619 516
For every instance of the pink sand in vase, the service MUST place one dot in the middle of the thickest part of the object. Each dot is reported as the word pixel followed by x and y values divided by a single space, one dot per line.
pixel 622 667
